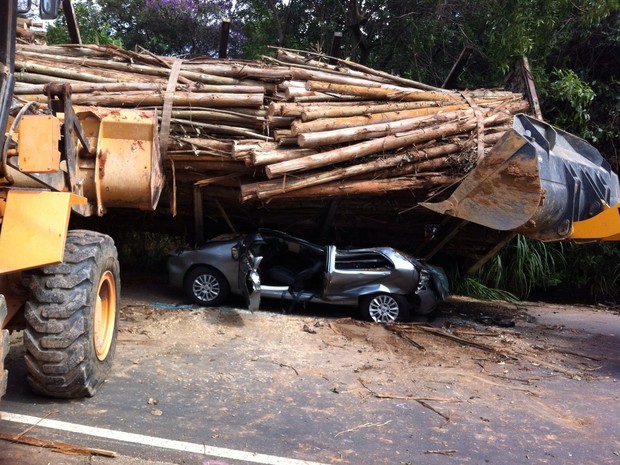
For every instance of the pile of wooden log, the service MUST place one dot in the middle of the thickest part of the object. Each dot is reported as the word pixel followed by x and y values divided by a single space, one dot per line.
pixel 30 31
pixel 293 130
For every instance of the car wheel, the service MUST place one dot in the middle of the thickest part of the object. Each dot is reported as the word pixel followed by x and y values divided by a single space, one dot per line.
pixel 207 286
pixel 384 308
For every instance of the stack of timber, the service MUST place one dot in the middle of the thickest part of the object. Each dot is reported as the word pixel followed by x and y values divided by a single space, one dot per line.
pixel 30 31
pixel 328 149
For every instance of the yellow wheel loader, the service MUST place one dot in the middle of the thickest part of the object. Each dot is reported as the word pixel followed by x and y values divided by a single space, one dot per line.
pixel 62 287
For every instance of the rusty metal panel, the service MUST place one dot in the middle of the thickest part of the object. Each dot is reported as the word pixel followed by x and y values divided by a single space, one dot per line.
pixel 38 144
pixel 127 170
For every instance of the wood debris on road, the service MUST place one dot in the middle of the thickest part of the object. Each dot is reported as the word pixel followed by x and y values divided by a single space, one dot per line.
pixel 56 446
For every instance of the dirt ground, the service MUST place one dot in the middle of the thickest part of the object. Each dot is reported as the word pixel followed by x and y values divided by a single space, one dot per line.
pixel 527 383
pixel 518 366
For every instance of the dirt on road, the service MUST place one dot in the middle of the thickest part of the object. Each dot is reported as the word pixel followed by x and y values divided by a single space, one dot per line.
pixel 480 383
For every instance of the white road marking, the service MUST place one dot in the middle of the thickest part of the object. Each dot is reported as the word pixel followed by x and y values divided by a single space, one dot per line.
pixel 162 443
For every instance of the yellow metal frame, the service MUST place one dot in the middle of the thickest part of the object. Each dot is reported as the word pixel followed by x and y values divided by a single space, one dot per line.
pixel 605 226
pixel 38 148
pixel 34 228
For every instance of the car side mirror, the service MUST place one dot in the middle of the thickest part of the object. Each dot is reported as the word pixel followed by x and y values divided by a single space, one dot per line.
pixel 48 9
pixel 23 6
pixel 234 253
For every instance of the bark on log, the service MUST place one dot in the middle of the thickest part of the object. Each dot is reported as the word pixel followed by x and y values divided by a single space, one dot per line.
pixel 372 188
pixel 390 142
pixel 329 124
pixel 143 99
pixel 383 93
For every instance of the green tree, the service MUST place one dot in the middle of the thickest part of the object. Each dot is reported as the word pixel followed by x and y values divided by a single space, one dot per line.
pixel 174 27
pixel 93 28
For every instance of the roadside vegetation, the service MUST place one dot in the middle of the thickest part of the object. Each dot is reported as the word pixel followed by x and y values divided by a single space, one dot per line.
pixel 572 45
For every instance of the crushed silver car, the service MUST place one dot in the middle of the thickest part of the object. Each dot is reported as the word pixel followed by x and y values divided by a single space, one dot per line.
pixel 386 284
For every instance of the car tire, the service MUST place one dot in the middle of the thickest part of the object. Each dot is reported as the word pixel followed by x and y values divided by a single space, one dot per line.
pixel 206 286
pixel 384 308
pixel 72 317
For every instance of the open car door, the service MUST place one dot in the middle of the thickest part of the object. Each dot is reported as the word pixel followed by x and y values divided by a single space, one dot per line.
pixel 249 279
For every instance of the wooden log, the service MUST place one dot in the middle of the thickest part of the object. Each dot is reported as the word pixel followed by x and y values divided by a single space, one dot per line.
pixel 331 111
pixel 220 117
pixel 133 71
pixel 57 446
pixel 217 146
pixel 379 130
pixel 368 73
pixel 144 99
pixel 243 147
pixel 66 72
pixel 267 189
pixel 382 93
pixel 34 78
pixel 296 94
pixel 390 142
pixel 329 124
pixel 265 157
pixel 297 108
pixel 88 88
pixel 374 187
pixel 198 156
pixel 201 128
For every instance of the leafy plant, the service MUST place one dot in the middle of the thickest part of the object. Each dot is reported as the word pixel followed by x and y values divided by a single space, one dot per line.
pixel 569 88
pixel 594 268
pixel 522 266
pixel 144 250
pixel 471 287
pixel 93 29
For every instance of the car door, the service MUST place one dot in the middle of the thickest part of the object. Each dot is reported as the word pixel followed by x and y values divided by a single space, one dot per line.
pixel 356 272
pixel 249 278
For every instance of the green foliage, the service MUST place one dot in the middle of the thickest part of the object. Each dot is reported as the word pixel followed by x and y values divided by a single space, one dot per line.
pixel 174 27
pixel 523 265
pixel 144 250
pixel 568 88
pixel 93 29
pixel 594 268
pixel 471 287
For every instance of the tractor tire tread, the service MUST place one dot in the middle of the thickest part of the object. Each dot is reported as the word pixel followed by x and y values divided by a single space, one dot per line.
pixel 58 336
pixel 4 347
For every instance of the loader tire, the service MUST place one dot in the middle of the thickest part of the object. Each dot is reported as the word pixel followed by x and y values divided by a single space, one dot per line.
pixel 72 318
pixel 4 347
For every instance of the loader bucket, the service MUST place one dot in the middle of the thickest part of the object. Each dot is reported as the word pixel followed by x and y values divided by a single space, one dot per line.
pixel 126 169
pixel 541 182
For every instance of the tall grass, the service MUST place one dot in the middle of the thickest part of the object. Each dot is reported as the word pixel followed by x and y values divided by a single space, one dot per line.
pixel 523 265
pixel 471 287
pixel 514 272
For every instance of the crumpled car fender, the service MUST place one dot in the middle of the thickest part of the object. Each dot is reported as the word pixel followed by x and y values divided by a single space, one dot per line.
pixel 375 289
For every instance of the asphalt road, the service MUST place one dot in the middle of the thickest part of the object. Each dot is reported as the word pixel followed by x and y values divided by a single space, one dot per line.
pixel 182 394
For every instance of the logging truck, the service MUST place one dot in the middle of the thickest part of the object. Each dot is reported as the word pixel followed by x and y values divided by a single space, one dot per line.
pixel 60 286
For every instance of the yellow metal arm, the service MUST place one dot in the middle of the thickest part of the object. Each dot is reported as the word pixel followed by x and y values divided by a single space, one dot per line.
pixel 604 226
